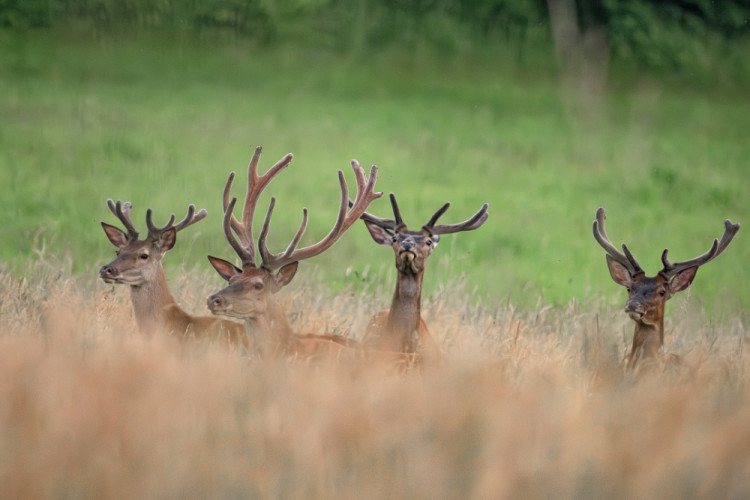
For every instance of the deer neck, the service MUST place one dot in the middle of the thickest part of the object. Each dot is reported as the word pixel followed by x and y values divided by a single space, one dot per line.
pixel 271 332
pixel 405 312
pixel 151 301
pixel 649 337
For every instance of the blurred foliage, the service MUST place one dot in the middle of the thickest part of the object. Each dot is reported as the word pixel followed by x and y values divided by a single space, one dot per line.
pixel 674 33
pixel 656 34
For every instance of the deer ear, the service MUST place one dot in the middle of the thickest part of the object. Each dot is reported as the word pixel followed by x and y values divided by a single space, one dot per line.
pixel 167 239
pixel 225 269
pixel 619 273
pixel 380 235
pixel 116 236
pixel 683 279
pixel 285 275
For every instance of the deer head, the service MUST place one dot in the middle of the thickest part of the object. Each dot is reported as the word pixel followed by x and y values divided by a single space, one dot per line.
pixel 250 291
pixel 138 261
pixel 647 295
pixel 411 248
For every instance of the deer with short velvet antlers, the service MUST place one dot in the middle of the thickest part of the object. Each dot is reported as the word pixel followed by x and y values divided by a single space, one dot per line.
pixel 138 265
pixel 250 295
pixel 401 328
pixel 647 295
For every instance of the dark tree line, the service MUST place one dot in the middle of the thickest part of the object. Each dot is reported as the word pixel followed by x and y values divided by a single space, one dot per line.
pixel 651 32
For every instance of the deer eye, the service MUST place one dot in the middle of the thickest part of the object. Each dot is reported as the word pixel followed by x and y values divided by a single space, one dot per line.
pixel 628 289
pixel 258 286
pixel 394 239
pixel 662 292
pixel 143 256
pixel 428 242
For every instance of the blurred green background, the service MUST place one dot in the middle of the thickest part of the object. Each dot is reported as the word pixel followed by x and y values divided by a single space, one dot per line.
pixel 546 110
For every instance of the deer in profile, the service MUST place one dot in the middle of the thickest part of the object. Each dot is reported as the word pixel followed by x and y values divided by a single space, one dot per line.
pixel 401 328
pixel 647 295
pixel 138 265
pixel 251 293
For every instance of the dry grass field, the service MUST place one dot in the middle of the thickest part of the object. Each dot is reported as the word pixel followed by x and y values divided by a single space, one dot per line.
pixel 528 404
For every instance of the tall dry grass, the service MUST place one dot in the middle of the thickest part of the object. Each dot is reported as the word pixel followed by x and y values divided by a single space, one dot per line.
pixel 529 403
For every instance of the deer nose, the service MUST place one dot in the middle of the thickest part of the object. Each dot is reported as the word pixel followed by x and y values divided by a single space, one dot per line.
pixel 215 302
pixel 108 272
pixel 634 306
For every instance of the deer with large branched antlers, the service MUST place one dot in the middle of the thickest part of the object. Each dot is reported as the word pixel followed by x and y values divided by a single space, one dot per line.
pixel 138 264
pixel 401 328
pixel 250 295
pixel 647 295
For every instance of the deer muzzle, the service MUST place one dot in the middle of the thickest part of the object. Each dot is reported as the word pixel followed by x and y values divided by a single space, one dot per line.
pixel 635 309
pixel 407 256
pixel 109 273
pixel 216 303
pixel 407 262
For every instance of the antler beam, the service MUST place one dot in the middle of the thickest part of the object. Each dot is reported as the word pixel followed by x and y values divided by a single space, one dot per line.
pixel 469 224
pixel 670 269
pixel 244 245
pixel 626 258
pixel 384 223
pixel 246 255
pixel 473 222
pixel 344 220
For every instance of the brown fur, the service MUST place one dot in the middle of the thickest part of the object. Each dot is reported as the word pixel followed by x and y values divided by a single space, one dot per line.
pixel 138 265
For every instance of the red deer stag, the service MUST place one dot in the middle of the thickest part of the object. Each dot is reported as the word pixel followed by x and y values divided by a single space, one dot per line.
pixel 138 264
pixel 646 295
pixel 250 295
pixel 401 328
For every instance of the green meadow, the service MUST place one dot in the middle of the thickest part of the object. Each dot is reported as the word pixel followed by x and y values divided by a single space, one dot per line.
pixel 161 121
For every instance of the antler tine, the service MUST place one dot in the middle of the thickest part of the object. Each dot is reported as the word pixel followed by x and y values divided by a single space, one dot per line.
pixel 396 212
pixel 384 223
pixel 730 230
pixel 269 260
pixel 717 247
pixel 365 193
pixel 473 222
pixel 636 266
pixel 156 231
pixel 437 215
pixel 111 205
pixel 344 220
pixel 247 256
pixel 122 212
pixel 255 186
pixel 248 208
pixel 191 218
pixel 600 234
pixel 226 196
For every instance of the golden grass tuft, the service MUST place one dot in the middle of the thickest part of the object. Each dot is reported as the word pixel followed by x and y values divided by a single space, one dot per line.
pixel 529 403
